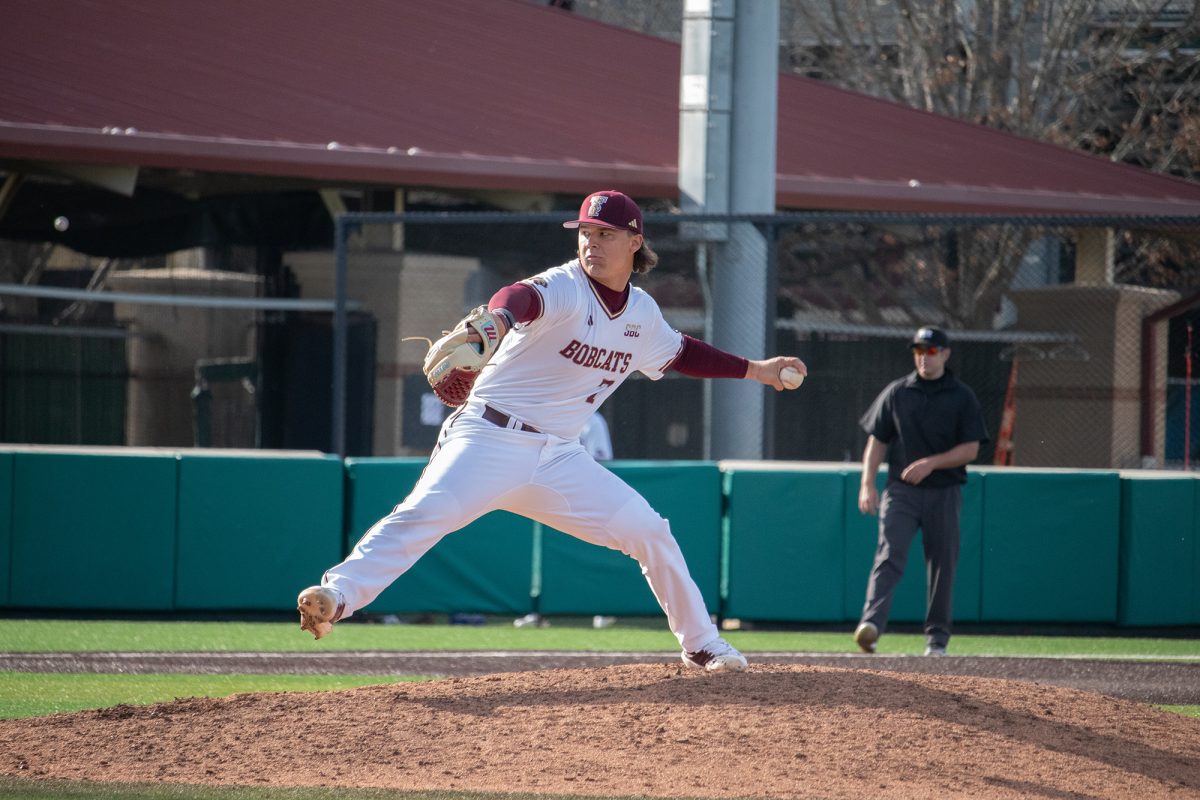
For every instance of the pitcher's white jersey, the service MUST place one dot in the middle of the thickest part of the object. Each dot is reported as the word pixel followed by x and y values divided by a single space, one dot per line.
pixel 514 445
pixel 555 371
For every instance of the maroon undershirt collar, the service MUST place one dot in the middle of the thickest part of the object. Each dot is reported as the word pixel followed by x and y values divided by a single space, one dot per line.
pixel 613 300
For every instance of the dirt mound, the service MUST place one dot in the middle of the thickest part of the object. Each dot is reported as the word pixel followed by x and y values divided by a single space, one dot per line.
pixel 648 729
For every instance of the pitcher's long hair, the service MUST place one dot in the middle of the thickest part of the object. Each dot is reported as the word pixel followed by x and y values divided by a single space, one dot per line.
pixel 645 259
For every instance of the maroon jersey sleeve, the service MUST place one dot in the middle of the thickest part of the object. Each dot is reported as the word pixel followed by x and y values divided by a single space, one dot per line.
pixel 520 300
pixel 701 360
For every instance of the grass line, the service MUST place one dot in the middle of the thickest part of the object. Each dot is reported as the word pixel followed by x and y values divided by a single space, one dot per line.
pixel 1187 711
pixel 38 694
pixel 629 635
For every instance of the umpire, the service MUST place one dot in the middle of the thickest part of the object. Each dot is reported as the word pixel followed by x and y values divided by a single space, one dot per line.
pixel 929 425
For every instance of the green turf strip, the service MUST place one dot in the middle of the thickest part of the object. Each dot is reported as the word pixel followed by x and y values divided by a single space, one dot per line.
pixel 37 694
pixel 635 635
pixel 1187 711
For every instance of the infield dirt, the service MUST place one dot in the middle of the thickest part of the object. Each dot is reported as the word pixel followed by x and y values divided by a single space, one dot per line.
pixel 775 731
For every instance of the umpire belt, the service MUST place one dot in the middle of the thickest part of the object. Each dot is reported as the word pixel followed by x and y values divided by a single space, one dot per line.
pixel 505 421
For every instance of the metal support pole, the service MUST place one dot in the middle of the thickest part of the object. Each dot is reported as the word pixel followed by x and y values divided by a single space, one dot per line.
pixel 744 311
pixel 340 339
pixel 770 233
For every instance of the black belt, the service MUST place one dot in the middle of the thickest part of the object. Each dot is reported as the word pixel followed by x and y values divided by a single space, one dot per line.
pixel 500 418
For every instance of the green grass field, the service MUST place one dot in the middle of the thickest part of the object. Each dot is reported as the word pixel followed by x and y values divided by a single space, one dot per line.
pixel 639 635
pixel 39 694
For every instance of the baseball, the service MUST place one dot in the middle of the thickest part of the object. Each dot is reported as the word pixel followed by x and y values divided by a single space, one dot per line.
pixel 61 223
pixel 791 377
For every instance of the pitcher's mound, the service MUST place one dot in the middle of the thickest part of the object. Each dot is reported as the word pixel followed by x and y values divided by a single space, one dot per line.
pixel 642 730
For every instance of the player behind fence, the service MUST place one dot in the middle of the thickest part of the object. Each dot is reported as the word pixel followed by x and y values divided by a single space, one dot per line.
pixel 529 370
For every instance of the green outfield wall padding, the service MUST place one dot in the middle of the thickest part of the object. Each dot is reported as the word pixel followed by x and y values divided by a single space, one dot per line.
pixel 968 582
pixel 255 530
pixel 908 604
pixel 484 568
pixel 1158 550
pixel 1037 545
pixel 582 578
pixel 786 539
pixel 93 531
pixel 6 519
pixel 1196 553
pixel 1050 546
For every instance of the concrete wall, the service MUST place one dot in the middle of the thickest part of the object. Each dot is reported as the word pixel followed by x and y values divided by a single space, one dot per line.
pixel 1080 406
pixel 169 342
pixel 409 294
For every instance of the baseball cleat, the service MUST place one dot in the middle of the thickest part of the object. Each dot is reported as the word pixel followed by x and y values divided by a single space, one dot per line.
pixel 865 636
pixel 716 656
pixel 319 608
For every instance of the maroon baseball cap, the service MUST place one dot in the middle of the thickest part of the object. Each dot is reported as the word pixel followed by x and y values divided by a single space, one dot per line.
pixel 609 209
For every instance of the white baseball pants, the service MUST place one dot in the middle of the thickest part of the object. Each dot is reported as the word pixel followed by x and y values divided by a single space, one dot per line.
pixel 479 467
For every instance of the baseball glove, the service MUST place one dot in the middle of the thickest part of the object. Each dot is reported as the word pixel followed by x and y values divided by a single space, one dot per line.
pixel 454 361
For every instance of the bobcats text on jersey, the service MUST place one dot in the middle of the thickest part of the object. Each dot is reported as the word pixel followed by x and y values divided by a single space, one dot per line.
pixel 596 357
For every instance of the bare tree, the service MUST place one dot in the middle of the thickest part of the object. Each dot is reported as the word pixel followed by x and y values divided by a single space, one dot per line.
pixel 1121 79
pixel 1055 70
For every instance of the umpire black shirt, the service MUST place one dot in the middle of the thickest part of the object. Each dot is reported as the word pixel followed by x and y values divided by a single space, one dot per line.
pixel 917 418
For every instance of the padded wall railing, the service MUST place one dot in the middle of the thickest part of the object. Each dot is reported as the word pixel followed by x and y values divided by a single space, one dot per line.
pixel 126 530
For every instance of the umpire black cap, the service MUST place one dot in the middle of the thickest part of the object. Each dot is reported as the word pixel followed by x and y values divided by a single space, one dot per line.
pixel 928 335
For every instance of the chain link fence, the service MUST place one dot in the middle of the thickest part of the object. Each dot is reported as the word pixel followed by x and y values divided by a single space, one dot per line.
pixel 1068 330
pixel 1075 334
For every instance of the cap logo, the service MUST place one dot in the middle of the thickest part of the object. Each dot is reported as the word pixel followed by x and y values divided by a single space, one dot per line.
pixel 597 204
pixel 633 224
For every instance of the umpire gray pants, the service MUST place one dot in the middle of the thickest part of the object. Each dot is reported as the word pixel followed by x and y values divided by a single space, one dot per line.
pixel 902 510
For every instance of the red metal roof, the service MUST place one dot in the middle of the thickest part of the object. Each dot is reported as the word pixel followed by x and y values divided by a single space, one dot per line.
pixel 494 94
